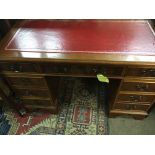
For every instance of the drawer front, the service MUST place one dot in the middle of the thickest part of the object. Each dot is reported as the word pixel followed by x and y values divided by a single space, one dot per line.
pixel 138 86
pixel 27 81
pixel 104 69
pixel 32 93
pixel 123 106
pixel 132 98
pixel 17 67
pixel 81 69
pixel 142 72
pixel 34 102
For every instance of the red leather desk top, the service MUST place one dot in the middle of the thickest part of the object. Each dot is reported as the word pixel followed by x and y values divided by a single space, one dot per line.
pixel 88 36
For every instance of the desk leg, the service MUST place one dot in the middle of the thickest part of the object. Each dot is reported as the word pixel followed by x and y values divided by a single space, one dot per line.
pixel 53 84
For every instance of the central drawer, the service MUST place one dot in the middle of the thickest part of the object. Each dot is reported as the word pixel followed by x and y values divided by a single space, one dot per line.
pixel 27 81
pixel 81 69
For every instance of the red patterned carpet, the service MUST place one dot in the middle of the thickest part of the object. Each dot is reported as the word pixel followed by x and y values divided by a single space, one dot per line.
pixel 82 113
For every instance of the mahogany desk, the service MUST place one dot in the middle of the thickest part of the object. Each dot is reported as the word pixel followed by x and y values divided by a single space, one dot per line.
pixel 35 53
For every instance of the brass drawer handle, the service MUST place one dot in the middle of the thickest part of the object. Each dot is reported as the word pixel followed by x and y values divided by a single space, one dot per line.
pixel 148 72
pixel 142 87
pixel 135 98
pixel 16 68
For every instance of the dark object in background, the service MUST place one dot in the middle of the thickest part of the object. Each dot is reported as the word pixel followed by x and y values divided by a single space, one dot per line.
pixel 152 22
pixel 5 26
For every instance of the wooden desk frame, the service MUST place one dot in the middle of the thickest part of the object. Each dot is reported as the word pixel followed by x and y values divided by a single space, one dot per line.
pixel 143 64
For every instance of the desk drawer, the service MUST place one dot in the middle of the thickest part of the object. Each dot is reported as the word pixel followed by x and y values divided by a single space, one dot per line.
pixel 35 102
pixel 123 106
pixel 32 93
pixel 27 81
pixel 132 98
pixel 140 72
pixel 17 67
pixel 95 69
pixel 138 86
pixel 82 69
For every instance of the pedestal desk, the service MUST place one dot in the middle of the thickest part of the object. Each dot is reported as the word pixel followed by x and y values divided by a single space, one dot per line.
pixel 36 53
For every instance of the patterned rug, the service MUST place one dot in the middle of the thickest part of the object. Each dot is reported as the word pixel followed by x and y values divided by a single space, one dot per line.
pixel 82 113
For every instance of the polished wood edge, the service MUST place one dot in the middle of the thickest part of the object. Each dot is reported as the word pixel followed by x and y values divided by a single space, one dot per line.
pixel 41 75
pixel 141 79
pixel 35 98
pixel 128 112
pixel 81 58
pixel 148 104
pixel 42 107
pixel 29 88
pixel 136 93
pixel 135 116
pixel 35 75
